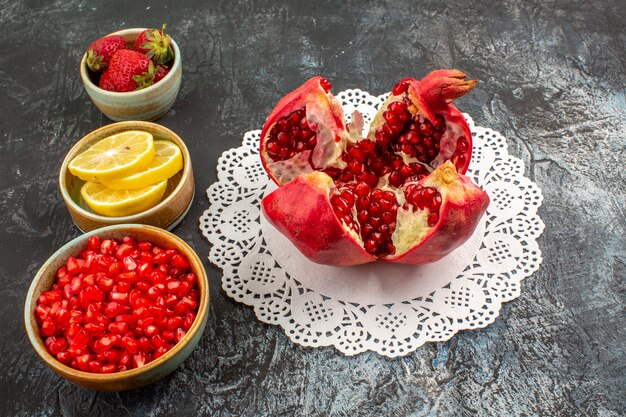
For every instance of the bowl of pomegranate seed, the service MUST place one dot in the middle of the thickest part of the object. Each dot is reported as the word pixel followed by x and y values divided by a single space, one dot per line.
pixel 127 172
pixel 118 308
pixel 133 74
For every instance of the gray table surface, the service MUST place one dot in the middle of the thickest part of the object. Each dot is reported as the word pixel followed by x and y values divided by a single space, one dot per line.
pixel 552 77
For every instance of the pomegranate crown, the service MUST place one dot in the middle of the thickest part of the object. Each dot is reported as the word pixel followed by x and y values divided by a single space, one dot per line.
pixel 441 87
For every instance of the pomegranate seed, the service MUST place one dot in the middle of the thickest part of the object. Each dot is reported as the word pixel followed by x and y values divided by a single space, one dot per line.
pixel 129 344
pixel 180 333
pixel 179 261
pixel 175 322
pixel 82 361
pixel 161 258
pixel 48 328
pixel 129 263
pixel 143 286
pixel 400 88
pixel 184 288
pixel 125 357
pixel 168 335
pixel 157 341
pixel 111 310
pixel 111 355
pixel 108 368
pixel 64 357
pixel 326 85
pixel 56 345
pixel 118 327
pixel 93 242
pixel 95 366
pixel 147 321
pixel 105 343
pixel 80 340
pixel 151 330
pixel 145 269
pixel 189 319
pixel 170 301
pixel 139 359
pixel 94 294
pixel 121 297
pixel 144 246
pixel 72 266
pixel 95 328
pixel 435 203
pixel 144 344
pixel 173 285
pixel 115 268
pixel 41 312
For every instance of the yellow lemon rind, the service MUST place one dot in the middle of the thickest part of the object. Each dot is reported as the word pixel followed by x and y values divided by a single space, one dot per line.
pixel 122 204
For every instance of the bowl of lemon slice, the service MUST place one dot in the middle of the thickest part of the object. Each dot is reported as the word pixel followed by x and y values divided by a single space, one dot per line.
pixel 127 172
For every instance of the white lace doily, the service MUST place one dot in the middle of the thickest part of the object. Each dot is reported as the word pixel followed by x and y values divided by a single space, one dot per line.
pixel 387 308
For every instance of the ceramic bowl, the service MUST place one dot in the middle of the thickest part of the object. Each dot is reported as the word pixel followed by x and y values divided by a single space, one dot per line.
pixel 137 377
pixel 146 104
pixel 172 208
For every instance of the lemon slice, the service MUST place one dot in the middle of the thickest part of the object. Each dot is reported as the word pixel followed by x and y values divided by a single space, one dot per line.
pixel 117 203
pixel 116 156
pixel 167 161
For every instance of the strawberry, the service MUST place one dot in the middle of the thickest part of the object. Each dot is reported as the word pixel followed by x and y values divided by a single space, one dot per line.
pixel 128 71
pixel 156 45
pixel 100 51
pixel 161 71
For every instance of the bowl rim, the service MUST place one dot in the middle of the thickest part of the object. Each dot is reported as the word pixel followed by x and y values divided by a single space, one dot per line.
pixel 78 375
pixel 84 74
pixel 132 125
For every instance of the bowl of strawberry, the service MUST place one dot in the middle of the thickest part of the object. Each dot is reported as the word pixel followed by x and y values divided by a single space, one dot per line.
pixel 119 307
pixel 133 74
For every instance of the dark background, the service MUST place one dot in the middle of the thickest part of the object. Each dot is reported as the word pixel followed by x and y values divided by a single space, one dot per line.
pixel 552 77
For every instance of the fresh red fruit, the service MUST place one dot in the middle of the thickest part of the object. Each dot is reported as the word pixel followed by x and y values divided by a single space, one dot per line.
pixel 306 131
pixel 396 195
pixel 156 45
pixel 418 120
pixel 128 71
pixel 161 72
pixel 108 317
pixel 100 51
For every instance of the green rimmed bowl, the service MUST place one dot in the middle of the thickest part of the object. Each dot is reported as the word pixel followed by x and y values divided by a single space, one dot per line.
pixel 146 104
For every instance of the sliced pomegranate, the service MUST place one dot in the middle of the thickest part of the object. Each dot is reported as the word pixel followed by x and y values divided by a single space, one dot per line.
pixel 396 195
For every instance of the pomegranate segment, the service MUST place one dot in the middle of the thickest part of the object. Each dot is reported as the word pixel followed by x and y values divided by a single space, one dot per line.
pixel 419 122
pixel 306 131
pixel 301 211
pixel 379 197
pixel 103 316
pixel 440 214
